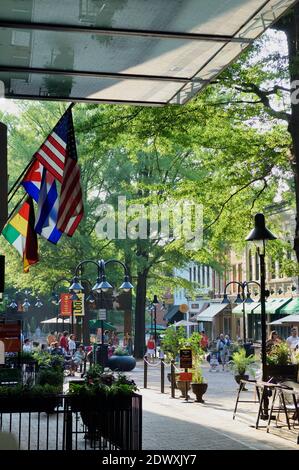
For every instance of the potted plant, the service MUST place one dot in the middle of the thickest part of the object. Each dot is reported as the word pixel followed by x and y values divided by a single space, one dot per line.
pixel 171 344
pixel 121 360
pixel 279 363
pixel 198 384
pixel 240 364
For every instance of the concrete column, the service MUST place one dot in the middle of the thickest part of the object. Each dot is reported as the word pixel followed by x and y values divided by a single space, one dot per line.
pixel 3 175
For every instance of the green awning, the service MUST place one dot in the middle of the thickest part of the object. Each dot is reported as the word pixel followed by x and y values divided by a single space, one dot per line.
pixel 273 306
pixel 98 324
pixel 249 307
pixel 291 307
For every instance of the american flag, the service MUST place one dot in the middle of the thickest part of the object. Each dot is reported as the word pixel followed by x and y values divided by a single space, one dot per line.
pixel 59 155
pixel 52 153
pixel 71 208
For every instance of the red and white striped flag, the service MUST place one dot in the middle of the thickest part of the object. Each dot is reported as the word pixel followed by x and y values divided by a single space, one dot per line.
pixel 59 155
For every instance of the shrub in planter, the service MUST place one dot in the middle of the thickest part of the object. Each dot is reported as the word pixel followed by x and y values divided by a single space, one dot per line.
pixel 23 398
pixel 240 364
pixel 281 364
pixel 121 360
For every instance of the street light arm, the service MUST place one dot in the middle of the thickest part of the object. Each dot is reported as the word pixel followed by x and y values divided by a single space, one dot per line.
pixel 58 281
pixel 105 263
pixel 252 282
pixel 78 267
pixel 233 282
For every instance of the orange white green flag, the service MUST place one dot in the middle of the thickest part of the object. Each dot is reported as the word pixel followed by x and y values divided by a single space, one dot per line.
pixel 19 232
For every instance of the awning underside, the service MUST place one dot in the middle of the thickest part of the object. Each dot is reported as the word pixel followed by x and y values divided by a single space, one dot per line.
pixel 124 51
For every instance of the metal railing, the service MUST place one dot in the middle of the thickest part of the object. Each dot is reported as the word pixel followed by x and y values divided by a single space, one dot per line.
pixel 66 428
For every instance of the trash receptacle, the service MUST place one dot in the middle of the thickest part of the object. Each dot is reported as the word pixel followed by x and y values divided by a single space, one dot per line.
pixel 249 348
pixel 102 355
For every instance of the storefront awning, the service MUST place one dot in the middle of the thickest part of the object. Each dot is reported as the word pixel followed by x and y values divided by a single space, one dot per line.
pixel 249 307
pixel 273 306
pixel 288 320
pixel 143 52
pixel 291 307
pixel 209 313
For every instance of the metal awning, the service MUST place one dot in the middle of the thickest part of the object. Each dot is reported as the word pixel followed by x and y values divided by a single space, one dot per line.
pixel 56 320
pixel 209 313
pixel 249 307
pixel 273 306
pixel 289 319
pixel 143 52
pixel 291 307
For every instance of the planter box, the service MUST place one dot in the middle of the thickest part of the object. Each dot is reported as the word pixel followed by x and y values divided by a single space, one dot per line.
pixel 122 363
pixel 282 372
pixel 23 404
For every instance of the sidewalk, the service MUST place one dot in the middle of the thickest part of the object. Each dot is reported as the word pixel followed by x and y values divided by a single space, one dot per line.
pixel 172 424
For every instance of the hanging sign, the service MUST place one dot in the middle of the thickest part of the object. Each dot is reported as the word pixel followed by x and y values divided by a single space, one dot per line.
pixel 186 358
pixel 186 376
pixel 78 305
pixel 183 308
pixel 102 314
pixel 66 305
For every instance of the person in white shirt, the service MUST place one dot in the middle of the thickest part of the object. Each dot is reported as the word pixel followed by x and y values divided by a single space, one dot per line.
pixel 27 347
pixel 293 340
pixel 72 345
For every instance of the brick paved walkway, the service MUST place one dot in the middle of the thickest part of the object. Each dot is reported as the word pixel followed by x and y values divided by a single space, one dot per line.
pixel 171 424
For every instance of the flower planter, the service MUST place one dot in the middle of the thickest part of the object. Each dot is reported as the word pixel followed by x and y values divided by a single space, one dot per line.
pixel 181 385
pixel 240 377
pixel 199 390
pixel 23 404
pixel 289 371
pixel 122 363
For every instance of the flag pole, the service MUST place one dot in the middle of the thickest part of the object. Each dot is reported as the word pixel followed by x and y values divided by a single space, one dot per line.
pixel 16 184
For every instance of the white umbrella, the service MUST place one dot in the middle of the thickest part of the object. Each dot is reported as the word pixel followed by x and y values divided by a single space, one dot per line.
pixel 56 320
pixel 183 323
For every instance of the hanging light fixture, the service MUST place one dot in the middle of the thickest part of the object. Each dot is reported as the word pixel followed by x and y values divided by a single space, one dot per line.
pixel 13 304
pixel 76 286
pixel 126 285
pixel 26 304
pixel 104 285
pixel 39 303
pixel 238 299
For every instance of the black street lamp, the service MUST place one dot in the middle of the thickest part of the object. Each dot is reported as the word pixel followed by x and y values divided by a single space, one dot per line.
pixel 155 303
pixel 260 234
pixel 101 285
pixel 242 298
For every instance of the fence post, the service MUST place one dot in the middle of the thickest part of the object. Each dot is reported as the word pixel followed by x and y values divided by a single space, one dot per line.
pixel 172 372
pixel 68 426
pixel 145 372
pixel 162 375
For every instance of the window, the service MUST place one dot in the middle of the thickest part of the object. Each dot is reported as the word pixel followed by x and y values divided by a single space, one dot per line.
pixel 240 272
pixel 257 267
pixel 250 264
pixel 194 274
pixel 88 10
pixel 208 276
pixel 190 274
pixel 203 275
pixel 199 274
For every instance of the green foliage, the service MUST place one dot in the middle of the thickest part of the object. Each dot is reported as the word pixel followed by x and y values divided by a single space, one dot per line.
pixel 120 352
pixel 171 341
pixel 279 355
pixel 240 363
pixel 193 342
pixel 50 377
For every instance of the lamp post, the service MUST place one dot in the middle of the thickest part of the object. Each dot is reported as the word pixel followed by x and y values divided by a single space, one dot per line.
pixel 242 298
pixel 260 234
pixel 101 285
pixel 155 303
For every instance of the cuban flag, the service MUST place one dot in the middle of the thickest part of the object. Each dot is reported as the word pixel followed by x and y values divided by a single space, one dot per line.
pixel 41 186
pixel 48 204
pixel 32 180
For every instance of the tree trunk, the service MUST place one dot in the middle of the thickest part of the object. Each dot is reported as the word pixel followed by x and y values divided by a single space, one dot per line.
pixel 290 25
pixel 140 315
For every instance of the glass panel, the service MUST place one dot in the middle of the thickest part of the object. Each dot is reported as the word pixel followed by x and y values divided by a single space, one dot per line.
pixel 197 16
pixel 217 63
pixel 135 55
pixel 39 85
